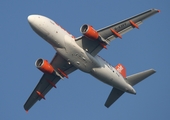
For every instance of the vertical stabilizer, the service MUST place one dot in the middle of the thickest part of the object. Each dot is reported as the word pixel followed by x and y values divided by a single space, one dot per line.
pixel 121 69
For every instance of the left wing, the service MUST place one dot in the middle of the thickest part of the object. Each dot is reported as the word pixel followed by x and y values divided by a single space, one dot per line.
pixel 48 81
pixel 111 32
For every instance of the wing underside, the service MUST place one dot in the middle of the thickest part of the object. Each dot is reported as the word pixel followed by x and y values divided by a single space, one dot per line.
pixel 120 28
pixel 48 81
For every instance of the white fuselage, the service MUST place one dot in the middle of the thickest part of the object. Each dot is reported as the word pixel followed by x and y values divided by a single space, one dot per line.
pixel 64 43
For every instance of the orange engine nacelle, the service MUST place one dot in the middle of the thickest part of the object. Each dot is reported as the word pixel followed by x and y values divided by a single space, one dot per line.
pixel 89 32
pixel 44 66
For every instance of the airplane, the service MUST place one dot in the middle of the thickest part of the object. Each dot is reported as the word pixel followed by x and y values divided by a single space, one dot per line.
pixel 81 53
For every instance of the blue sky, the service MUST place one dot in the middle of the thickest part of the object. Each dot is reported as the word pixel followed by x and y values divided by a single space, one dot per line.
pixel 82 96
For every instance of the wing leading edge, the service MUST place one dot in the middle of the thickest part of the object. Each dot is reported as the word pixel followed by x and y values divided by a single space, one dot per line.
pixel 132 80
pixel 48 81
pixel 113 31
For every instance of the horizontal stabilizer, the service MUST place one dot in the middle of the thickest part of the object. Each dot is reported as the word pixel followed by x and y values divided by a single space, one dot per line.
pixel 114 95
pixel 136 78
pixel 132 80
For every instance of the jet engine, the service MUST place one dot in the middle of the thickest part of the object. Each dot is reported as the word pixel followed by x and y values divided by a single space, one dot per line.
pixel 44 66
pixel 89 32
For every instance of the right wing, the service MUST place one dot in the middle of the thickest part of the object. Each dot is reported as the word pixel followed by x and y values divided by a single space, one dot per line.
pixel 94 47
pixel 48 81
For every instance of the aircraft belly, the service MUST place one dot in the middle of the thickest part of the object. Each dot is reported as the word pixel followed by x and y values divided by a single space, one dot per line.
pixel 103 74
pixel 76 55
pixel 110 77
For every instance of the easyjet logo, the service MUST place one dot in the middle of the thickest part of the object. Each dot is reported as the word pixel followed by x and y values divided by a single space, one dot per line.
pixel 119 68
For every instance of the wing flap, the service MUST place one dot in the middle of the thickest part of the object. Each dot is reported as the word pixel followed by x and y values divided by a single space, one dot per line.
pixel 113 96
pixel 129 28
pixel 105 32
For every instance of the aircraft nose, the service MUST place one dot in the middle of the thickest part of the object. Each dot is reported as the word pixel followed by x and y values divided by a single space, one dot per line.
pixel 30 18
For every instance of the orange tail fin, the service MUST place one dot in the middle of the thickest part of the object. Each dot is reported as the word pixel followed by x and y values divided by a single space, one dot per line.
pixel 121 69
